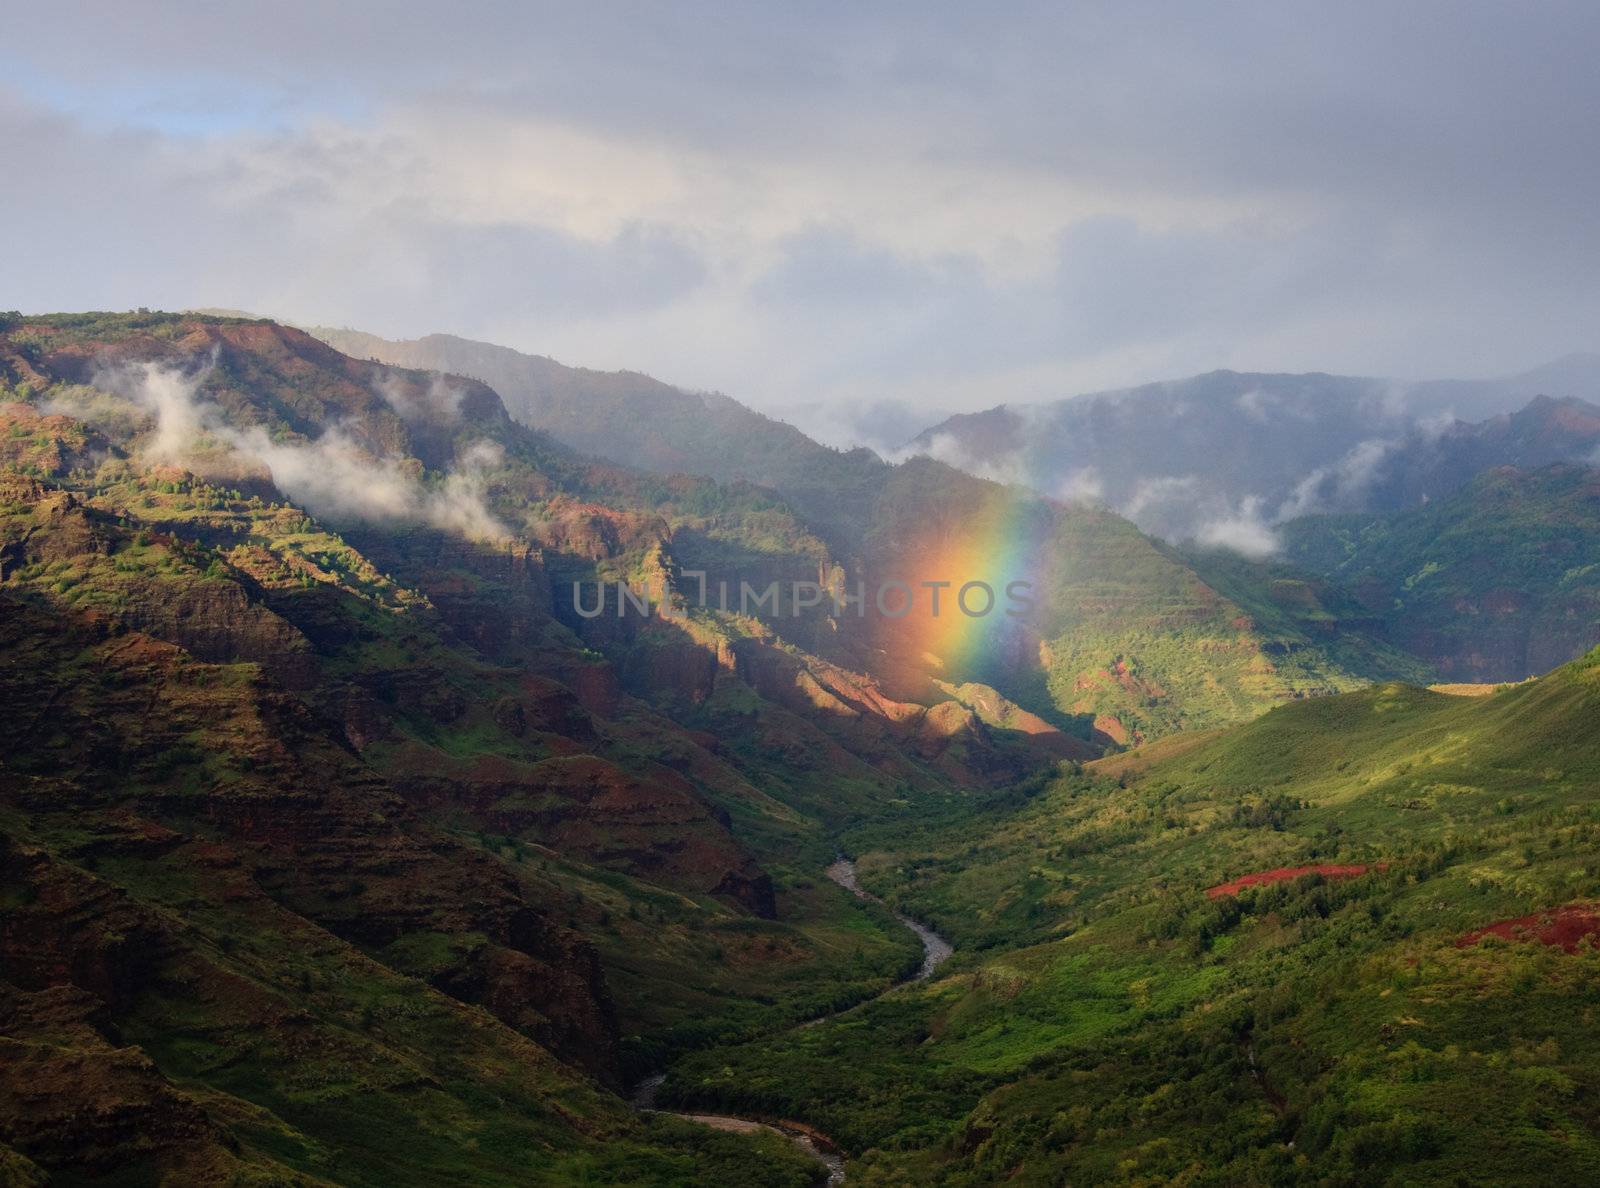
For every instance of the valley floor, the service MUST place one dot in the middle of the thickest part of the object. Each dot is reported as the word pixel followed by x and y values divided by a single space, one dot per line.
pixel 935 951
pixel 1351 942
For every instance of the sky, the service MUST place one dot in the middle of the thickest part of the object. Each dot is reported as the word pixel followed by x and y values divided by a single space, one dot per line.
pixel 857 216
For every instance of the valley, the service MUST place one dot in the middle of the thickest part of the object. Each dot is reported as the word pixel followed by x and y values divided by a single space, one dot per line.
pixel 326 816
pixel 753 595
pixel 935 951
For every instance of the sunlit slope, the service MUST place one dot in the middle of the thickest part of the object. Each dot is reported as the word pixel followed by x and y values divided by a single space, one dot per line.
pixel 1106 1019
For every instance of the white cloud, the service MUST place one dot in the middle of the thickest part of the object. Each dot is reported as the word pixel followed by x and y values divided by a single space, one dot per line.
pixel 1341 486
pixel 1155 494
pixel 1007 467
pixel 1255 404
pixel 440 402
pixel 331 476
pixel 168 394
pixel 1244 532
pixel 1082 486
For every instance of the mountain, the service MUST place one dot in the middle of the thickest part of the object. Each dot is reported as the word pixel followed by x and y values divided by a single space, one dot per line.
pixel 1216 457
pixel 1351 941
pixel 314 833
pixel 1437 462
pixel 1495 582
pixel 638 421
pixel 1112 657
pixel 1222 457
pixel 1109 657
pixel 1576 375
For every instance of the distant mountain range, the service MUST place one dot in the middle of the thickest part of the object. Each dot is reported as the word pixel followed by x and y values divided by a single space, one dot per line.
pixel 1224 457
pixel 1218 459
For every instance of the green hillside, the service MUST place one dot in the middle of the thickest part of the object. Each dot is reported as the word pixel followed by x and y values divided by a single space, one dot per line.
pixel 1496 582
pixel 1106 1020
pixel 1130 639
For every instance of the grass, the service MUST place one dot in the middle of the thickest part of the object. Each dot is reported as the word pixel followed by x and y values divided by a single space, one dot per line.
pixel 1104 1020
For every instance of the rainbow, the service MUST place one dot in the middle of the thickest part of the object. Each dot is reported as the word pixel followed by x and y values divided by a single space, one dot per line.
pixel 991 557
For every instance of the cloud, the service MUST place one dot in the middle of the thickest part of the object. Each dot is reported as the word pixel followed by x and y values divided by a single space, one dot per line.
pixel 1343 485
pixel 1255 404
pixel 461 506
pixel 1160 493
pixel 1008 467
pixel 439 403
pixel 822 210
pixel 1082 486
pixel 1244 532
pixel 331 476
pixel 169 395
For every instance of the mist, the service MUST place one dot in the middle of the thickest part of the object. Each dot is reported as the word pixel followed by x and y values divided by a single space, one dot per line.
pixel 332 476
pixel 1223 460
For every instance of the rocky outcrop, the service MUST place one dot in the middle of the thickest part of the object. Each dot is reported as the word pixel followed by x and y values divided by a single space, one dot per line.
pixel 48 445
pixel 212 616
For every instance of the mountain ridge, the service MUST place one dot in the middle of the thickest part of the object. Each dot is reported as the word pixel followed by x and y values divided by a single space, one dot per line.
pixel 1227 456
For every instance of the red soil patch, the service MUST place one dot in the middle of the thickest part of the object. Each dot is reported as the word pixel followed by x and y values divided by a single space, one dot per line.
pixel 1284 873
pixel 1565 926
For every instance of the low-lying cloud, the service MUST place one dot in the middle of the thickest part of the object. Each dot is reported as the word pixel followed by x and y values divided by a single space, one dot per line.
pixel 1245 532
pixel 1341 486
pixel 1082 486
pixel 1010 468
pixel 332 476
pixel 440 402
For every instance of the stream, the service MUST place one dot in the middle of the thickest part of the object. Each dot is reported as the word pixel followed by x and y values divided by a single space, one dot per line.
pixel 935 950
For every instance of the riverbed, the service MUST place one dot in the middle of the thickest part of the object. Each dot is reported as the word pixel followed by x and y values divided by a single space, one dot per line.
pixel 935 950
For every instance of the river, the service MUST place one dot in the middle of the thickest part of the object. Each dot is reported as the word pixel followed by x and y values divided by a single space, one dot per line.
pixel 935 950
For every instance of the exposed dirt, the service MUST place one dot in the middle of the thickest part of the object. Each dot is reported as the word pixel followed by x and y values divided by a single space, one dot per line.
pixel 1283 874
pixel 1567 926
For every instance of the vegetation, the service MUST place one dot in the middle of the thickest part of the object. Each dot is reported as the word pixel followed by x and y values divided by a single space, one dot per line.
pixel 1105 1019
pixel 1497 582
pixel 316 830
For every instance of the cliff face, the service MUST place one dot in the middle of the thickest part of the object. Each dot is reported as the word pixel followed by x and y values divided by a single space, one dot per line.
pixel 249 603
pixel 203 880
pixel 75 955
pixel 145 734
